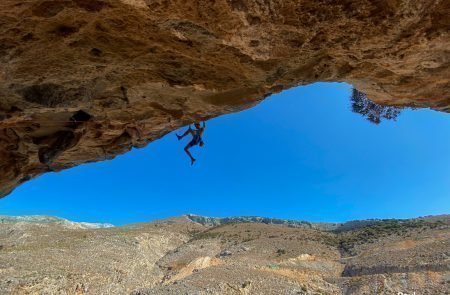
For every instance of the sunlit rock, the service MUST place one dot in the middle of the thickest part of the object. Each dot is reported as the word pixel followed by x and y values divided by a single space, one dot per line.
pixel 86 80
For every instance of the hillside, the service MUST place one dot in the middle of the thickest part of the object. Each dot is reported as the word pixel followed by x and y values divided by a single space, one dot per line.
pixel 241 255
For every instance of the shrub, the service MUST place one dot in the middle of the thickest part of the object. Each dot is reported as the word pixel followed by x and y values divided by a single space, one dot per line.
pixel 373 112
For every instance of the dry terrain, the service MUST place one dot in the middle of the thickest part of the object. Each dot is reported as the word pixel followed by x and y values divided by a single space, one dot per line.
pixel 196 255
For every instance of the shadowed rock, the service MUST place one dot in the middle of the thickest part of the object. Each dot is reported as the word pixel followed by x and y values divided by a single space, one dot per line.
pixel 153 66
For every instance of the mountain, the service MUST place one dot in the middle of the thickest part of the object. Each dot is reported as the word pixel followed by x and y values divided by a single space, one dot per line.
pixel 193 254
pixel 41 219
pixel 325 226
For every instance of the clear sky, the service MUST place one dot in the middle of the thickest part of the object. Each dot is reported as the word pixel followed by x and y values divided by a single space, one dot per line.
pixel 301 154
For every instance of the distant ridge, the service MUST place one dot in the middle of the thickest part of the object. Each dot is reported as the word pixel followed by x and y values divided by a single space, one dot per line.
pixel 324 226
pixel 217 221
pixel 54 220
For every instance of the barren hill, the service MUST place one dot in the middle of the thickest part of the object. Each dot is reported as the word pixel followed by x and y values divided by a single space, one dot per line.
pixel 238 256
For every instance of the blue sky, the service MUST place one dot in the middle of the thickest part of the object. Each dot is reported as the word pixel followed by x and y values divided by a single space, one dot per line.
pixel 301 154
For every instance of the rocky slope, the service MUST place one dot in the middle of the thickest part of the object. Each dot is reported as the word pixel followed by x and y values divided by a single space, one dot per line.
pixel 40 219
pixel 85 80
pixel 181 256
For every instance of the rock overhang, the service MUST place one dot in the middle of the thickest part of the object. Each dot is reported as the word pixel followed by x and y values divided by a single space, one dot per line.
pixel 84 81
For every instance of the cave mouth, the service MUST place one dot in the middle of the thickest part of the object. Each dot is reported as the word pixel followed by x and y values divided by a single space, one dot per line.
pixel 300 154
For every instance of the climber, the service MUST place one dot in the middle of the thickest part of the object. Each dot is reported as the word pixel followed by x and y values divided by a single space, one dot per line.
pixel 196 138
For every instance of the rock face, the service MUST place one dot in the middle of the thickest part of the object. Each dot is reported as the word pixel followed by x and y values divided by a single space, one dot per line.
pixel 85 80
pixel 181 256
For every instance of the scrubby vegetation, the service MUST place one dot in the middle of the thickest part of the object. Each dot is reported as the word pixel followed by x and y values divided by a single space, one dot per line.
pixel 372 111
pixel 383 228
pixel 206 235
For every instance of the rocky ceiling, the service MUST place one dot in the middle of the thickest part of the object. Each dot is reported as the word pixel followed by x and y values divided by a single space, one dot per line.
pixel 86 80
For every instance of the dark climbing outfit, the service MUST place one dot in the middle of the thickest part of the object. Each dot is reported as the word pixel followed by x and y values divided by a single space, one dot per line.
pixel 196 139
